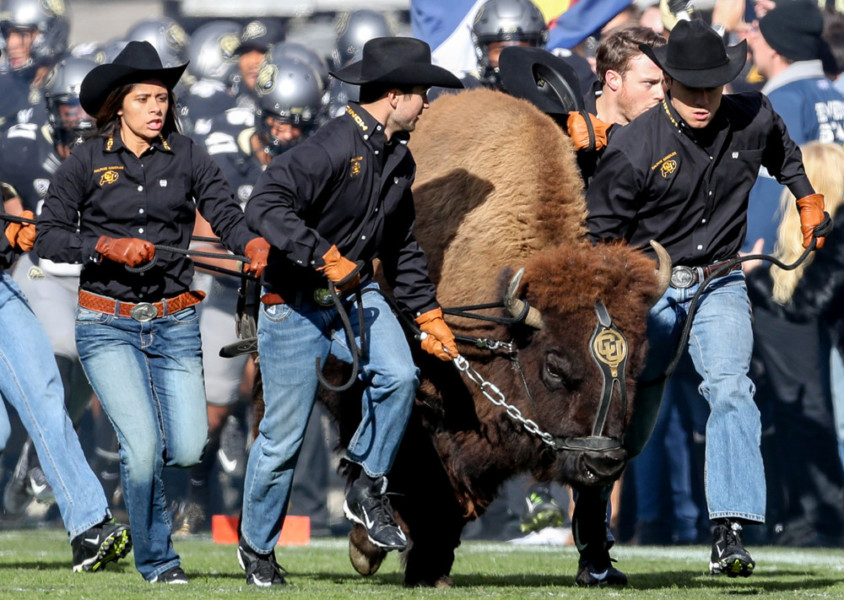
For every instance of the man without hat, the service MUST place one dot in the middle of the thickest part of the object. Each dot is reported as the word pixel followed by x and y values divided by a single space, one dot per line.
pixel 680 174
pixel 330 206
pixel 787 49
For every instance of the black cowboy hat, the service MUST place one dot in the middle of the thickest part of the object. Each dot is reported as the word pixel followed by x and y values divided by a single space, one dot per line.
pixel 544 79
pixel 696 56
pixel 137 62
pixel 397 60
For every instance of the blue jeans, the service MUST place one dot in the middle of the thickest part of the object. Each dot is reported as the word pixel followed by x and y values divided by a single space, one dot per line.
pixel 30 382
pixel 148 377
pixel 720 345
pixel 290 337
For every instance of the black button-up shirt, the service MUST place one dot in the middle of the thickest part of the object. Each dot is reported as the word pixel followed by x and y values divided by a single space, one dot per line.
pixel 661 180
pixel 104 189
pixel 350 187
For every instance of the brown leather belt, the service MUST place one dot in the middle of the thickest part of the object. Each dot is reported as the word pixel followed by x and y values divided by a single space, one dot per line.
pixel 683 277
pixel 141 311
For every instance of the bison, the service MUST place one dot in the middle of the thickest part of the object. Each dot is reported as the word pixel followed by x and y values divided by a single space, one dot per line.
pixel 500 206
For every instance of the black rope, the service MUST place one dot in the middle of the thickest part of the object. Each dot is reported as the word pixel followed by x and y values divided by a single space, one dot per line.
pixel 350 336
pixel 723 269
pixel 17 219
pixel 187 252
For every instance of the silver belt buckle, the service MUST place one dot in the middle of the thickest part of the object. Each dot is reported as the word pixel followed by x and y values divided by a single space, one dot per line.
pixel 322 296
pixel 143 312
pixel 682 277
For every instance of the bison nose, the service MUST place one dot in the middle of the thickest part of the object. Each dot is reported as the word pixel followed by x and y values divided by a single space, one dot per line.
pixel 604 466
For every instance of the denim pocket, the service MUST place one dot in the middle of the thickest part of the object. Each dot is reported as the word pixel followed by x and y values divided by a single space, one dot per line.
pixel 276 312
pixel 91 317
pixel 186 315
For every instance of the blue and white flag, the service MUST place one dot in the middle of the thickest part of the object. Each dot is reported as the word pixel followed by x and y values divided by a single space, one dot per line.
pixel 447 27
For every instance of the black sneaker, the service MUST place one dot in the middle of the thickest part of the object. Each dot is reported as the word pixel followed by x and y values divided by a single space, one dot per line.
pixel 728 553
pixel 367 504
pixel 542 510
pixel 232 451
pixel 100 545
pixel 16 495
pixel 261 569
pixel 599 572
pixel 173 575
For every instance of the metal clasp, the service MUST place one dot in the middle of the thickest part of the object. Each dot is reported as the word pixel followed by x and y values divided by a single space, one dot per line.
pixel 143 312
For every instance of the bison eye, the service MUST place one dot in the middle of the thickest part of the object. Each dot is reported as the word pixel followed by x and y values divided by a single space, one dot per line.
pixel 558 371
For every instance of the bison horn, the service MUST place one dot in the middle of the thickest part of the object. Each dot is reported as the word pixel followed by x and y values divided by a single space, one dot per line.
pixel 516 306
pixel 664 271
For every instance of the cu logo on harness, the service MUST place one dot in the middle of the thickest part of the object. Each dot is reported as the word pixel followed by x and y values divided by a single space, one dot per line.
pixel 610 348
pixel 668 167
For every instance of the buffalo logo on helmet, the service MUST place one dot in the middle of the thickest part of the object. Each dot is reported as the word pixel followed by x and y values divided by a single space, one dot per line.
pixel 57 7
pixel 228 45
pixel 267 77
pixel 253 30
pixel 177 37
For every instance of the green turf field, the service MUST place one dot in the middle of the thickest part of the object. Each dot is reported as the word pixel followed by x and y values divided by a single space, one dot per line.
pixel 36 564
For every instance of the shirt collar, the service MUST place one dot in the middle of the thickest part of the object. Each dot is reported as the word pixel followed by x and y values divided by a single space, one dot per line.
pixel 804 69
pixel 114 143
pixel 720 121
pixel 371 130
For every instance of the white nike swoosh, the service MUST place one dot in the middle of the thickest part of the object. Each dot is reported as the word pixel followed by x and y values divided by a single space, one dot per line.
pixel 226 463
pixel 368 524
pixel 95 540
pixel 600 576
pixel 37 488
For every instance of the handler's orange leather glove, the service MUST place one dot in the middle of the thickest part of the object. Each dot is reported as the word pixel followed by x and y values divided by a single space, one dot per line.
pixel 812 215
pixel 258 251
pixel 21 236
pixel 578 126
pixel 129 251
pixel 439 340
pixel 343 273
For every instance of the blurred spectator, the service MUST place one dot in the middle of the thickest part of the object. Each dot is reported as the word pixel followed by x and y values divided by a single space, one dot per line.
pixel 796 311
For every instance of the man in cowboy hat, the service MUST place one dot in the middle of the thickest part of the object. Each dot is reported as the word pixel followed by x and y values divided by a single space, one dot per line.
pixel 680 174
pixel 329 206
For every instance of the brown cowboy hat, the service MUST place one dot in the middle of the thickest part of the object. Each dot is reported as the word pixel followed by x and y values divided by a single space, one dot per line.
pixel 137 62
pixel 696 56
pixel 397 60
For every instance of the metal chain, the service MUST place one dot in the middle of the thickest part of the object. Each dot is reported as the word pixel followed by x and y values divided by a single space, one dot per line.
pixel 494 395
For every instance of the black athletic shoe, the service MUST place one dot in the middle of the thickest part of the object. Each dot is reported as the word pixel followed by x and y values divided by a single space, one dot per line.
pixel 173 575
pixel 261 569
pixel 367 504
pixel 17 495
pixel 100 545
pixel 728 553
pixel 599 572
pixel 542 510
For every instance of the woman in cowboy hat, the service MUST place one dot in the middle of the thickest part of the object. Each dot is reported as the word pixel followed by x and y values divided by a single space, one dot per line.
pixel 680 174
pixel 137 183
pixel 329 206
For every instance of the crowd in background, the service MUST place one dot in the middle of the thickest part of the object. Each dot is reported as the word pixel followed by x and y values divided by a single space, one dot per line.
pixel 226 103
